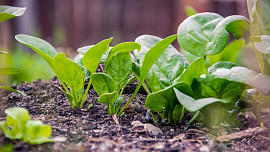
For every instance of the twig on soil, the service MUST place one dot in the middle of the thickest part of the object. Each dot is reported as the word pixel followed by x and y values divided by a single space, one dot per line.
pixel 242 134
pixel 115 119
pixel 267 138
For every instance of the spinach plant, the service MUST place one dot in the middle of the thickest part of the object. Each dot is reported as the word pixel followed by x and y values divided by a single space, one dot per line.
pixel 71 74
pixel 18 126
pixel 8 12
pixel 118 67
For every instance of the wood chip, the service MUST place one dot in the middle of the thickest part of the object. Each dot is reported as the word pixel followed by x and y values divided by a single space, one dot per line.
pixel 242 134
pixel 115 119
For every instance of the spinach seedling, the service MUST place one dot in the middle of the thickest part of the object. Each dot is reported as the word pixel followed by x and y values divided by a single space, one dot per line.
pixel 171 69
pixel 72 75
pixel 8 12
pixel 18 126
pixel 118 67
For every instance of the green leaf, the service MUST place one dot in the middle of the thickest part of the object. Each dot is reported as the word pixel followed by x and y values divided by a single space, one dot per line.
pixel 120 68
pixel 194 70
pixel 210 86
pixel 223 64
pixel 244 75
pixel 14 125
pixel 109 99
pixel 8 12
pixel 193 105
pixel 190 11
pixel 78 60
pixel 93 55
pixel 68 72
pixel 84 49
pixel 125 47
pixel 9 71
pixel 37 132
pixel 229 53
pixel 103 83
pixel 165 100
pixel 208 34
pixel 41 47
pixel 263 46
pixel 153 82
pixel 169 64
pixel 12 90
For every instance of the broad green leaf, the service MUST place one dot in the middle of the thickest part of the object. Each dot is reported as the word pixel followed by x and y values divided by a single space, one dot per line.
pixel 125 47
pixel 120 68
pixel 9 70
pixel 151 56
pixel 263 46
pixel 8 12
pixel 84 49
pixel 211 87
pixel 37 132
pixel 68 72
pixel 223 64
pixel 190 11
pixel 41 47
pixel 92 57
pixel 78 60
pixel 165 99
pixel 244 75
pixel 153 82
pixel 169 64
pixel 208 34
pixel 194 70
pixel 12 90
pixel 109 99
pixel 103 83
pixel 193 105
pixel 190 57
pixel 14 125
pixel 229 54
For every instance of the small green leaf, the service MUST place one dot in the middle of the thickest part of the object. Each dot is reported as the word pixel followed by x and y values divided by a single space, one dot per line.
pixel 194 70
pixel 92 57
pixel 14 125
pixel 78 60
pixel 190 11
pixel 244 75
pixel 263 46
pixel 8 12
pixel 120 68
pixel 125 47
pixel 208 34
pixel 9 71
pixel 37 132
pixel 103 83
pixel 41 47
pixel 109 99
pixel 12 90
pixel 7 148
pixel 165 99
pixel 222 64
pixel 68 72
pixel 193 105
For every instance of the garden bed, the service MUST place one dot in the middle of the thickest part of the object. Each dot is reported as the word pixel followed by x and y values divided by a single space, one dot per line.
pixel 95 130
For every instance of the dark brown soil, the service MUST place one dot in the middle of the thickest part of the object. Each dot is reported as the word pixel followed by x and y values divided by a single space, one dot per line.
pixel 95 130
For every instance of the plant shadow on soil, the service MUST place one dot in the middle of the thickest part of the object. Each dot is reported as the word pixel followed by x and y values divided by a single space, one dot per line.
pixel 95 130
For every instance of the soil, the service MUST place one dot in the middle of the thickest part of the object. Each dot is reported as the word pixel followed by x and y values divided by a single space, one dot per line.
pixel 94 130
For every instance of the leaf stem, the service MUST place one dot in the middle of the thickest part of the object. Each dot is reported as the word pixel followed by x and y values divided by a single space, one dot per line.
pixel 130 99
pixel 86 92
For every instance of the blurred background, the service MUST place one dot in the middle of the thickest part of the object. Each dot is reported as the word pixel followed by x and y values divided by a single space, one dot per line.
pixel 70 24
